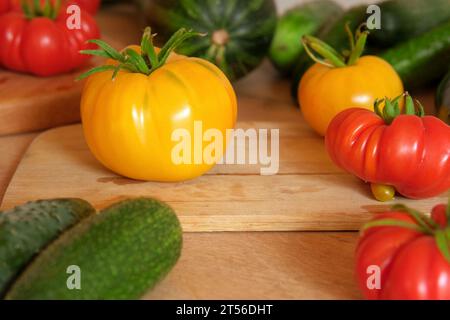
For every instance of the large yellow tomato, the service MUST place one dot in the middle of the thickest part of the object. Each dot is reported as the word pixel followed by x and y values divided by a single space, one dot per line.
pixel 129 121
pixel 326 89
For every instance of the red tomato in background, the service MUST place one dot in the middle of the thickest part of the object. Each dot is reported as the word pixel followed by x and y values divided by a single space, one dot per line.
pixel 42 46
pixel 4 6
pixel 90 6
pixel 412 265
pixel 412 153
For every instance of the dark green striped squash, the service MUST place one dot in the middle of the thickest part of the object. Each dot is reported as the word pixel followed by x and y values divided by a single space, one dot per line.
pixel 238 33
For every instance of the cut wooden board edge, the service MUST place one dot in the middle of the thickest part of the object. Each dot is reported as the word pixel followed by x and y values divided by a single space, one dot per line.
pixel 67 111
pixel 58 103
pixel 198 216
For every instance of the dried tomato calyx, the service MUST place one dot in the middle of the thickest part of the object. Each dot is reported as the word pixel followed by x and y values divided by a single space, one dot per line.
pixel 324 54
pixel 392 107
pixel 129 60
pixel 48 9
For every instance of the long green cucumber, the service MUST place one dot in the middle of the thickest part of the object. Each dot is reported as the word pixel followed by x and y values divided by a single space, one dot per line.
pixel 26 230
pixel 117 254
pixel 305 19
pixel 401 20
pixel 423 59
pixel 405 19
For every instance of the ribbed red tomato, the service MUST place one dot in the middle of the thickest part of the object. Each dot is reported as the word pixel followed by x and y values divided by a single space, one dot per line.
pixel 43 44
pixel 407 151
pixel 410 252
pixel 4 6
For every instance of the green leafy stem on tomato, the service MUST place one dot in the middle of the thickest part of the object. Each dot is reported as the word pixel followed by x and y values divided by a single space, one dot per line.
pixel 48 9
pixel 437 225
pixel 146 62
pixel 392 108
pixel 331 57
pixel 393 148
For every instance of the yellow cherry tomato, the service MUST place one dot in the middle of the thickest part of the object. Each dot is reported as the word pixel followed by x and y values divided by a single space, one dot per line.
pixel 129 122
pixel 382 192
pixel 325 91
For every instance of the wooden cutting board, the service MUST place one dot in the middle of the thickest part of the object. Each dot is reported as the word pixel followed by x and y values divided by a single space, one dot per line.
pixel 29 103
pixel 309 192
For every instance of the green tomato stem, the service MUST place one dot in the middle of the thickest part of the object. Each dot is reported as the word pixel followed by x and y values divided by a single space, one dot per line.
pixel 392 109
pixel 425 222
pixel 443 243
pixel 392 223
pixel 129 60
pixel 350 35
pixel 358 50
pixel 35 9
pixel 330 57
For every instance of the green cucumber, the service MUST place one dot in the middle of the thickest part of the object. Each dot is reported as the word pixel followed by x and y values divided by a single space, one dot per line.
pixel 26 230
pixel 305 19
pixel 334 33
pixel 405 19
pixel 422 60
pixel 443 99
pixel 121 253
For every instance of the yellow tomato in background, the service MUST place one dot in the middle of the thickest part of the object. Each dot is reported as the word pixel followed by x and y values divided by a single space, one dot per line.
pixel 128 122
pixel 325 91
pixel 339 82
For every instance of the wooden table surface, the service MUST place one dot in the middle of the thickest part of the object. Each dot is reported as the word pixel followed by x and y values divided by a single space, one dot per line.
pixel 243 265
pixel 253 265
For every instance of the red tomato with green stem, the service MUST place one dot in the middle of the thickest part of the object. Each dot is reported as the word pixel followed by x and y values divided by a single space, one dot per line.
pixel 39 41
pixel 409 152
pixel 90 6
pixel 411 251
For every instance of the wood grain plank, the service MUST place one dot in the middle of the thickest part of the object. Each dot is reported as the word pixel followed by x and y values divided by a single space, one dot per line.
pixel 266 265
pixel 12 148
pixel 308 194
